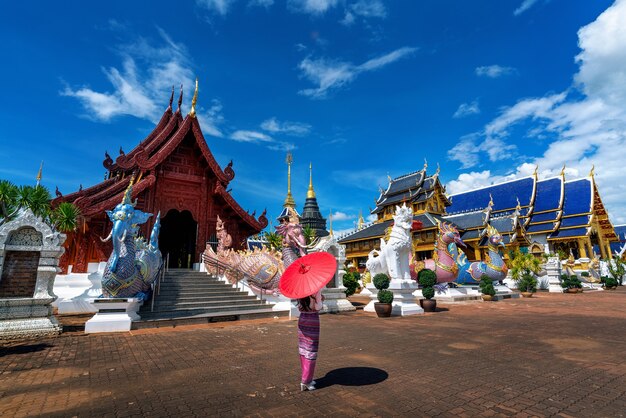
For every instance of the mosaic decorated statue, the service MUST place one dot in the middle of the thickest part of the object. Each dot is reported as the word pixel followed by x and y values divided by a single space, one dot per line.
pixel 294 242
pixel 444 261
pixel 262 267
pixel 395 253
pixel 494 267
pixel 133 264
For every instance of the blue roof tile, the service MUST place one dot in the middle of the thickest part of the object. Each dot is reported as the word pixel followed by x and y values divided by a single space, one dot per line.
pixel 504 196
pixel 548 195
pixel 547 227
pixel 575 221
pixel 565 233
pixel 577 197
pixel 543 217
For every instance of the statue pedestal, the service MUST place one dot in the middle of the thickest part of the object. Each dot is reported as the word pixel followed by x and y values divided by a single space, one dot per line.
pixel 553 271
pixel 335 301
pixel 404 303
pixel 114 315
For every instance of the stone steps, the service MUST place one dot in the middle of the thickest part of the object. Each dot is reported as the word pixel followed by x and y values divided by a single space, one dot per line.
pixel 192 297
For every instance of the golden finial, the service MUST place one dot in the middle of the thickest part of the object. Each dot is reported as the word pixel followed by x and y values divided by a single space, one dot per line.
pixel 563 171
pixel 389 177
pixel 127 200
pixel 490 200
pixel 39 173
pixel 591 173
pixel 425 164
pixel 289 202
pixel 361 220
pixel 535 173
pixel 519 206
pixel 310 194
pixel 438 170
pixel 192 112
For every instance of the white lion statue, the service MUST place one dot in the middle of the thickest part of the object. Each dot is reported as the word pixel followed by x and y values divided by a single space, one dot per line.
pixel 394 255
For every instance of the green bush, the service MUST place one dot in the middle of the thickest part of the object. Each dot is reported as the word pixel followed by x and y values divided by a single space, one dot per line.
pixel 575 282
pixel 428 292
pixel 351 283
pixel 610 282
pixel 381 281
pixel 427 278
pixel 486 286
pixel 585 274
pixel 385 296
pixel 527 283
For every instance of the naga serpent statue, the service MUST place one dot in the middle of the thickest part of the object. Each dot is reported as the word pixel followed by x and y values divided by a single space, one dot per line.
pixel 444 262
pixel 262 267
pixel 133 264
pixel 494 268
pixel 394 255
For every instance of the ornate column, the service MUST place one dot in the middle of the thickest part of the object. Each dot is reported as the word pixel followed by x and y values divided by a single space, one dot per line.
pixel 581 248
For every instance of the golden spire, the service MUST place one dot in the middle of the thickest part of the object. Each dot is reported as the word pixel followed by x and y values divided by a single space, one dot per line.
pixel 289 202
pixel 39 173
pixel 330 220
pixel 192 112
pixel 310 194
pixel 591 173
pixel 361 220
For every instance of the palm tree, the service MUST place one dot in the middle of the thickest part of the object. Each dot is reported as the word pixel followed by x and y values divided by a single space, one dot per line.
pixel 524 264
pixel 274 240
pixel 35 198
pixel 8 199
pixel 309 234
pixel 65 217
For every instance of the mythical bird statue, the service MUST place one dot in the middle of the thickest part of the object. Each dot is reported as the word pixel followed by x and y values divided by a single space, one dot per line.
pixel 395 253
pixel 444 262
pixel 494 267
pixel 133 264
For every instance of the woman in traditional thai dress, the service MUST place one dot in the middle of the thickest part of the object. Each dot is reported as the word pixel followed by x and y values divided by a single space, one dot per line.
pixel 309 336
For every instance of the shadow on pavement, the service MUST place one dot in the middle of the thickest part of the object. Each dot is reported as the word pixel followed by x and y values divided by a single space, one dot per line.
pixel 23 349
pixel 352 376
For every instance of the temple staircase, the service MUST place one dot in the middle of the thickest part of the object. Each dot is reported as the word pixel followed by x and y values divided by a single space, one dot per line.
pixel 192 297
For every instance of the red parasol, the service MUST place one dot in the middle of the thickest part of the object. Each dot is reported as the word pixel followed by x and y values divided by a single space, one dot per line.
pixel 307 275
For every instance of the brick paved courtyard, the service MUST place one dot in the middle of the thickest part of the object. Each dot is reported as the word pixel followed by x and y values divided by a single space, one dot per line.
pixel 551 355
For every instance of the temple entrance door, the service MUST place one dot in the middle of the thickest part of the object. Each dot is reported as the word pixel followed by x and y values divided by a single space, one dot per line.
pixel 178 238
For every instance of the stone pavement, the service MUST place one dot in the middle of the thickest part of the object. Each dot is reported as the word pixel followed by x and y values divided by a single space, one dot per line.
pixel 550 355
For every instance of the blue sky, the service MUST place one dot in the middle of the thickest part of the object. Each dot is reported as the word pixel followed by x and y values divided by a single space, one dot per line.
pixel 362 89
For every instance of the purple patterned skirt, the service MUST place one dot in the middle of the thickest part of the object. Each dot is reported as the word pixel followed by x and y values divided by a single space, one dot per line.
pixel 308 334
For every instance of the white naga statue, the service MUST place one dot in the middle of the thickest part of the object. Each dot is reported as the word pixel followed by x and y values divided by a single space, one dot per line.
pixel 394 255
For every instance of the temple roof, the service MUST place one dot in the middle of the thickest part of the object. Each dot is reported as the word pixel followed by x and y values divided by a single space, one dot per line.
pixel 171 130
pixel 504 196
pixel 412 187
pixel 378 229
pixel 477 219
pixel 549 195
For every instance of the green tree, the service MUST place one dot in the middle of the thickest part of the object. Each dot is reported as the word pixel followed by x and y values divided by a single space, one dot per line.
pixel 8 199
pixel 617 268
pixel 274 240
pixel 65 217
pixel 309 234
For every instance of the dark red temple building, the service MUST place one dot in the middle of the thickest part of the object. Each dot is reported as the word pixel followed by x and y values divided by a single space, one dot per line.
pixel 174 173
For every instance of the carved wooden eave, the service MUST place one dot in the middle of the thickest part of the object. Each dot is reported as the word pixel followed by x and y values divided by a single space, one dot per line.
pixel 89 191
pixel 259 224
pixel 97 204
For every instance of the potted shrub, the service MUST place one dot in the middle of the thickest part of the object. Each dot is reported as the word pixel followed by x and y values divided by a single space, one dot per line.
pixel 385 297
pixel 609 283
pixel 524 266
pixel 486 288
pixel 428 279
pixel 527 284
pixel 571 284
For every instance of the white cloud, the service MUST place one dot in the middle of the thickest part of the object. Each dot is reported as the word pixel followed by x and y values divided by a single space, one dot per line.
pixel 290 128
pixel 261 3
pixel 494 71
pixel 250 136
pixel 142 86
pixel 467 109
pixel 331 75
pixel 254 137
pixel 369 8
pixel 313 7
pixel 216 6
pixel 342 216
pixel 526 4
pixel 589 130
